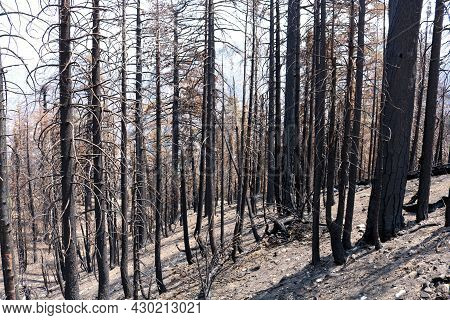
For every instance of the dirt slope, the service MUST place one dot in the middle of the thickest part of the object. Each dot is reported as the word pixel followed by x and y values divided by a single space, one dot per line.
pixel 415 265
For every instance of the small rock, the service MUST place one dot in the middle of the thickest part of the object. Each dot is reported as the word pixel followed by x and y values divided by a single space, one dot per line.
pixel 255 268
pixel 353 256
pixel 284 250
pixel 425 295
pixel 428 290
pixel 443 288
pixel 399 295
pixel 412 251
pixel 363 298
pixel 274 281
pixel 319 280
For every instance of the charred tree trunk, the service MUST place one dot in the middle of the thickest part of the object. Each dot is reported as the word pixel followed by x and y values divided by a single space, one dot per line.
pixel 278 145
pixel 210 129
pixel 31 198
pixel 320 84
pixel 99 185
pixel 271 113
pixel 290 136
pixel 426 160
pixel 332 134
pixel 354 148
pixel 175 122
pixel 396 120
pixel 124 163
pixel 6 236
pixel 159 207
pixel 423 62
pixel 184 216
pixel 201 183
pixel 139 188
pixel 69 230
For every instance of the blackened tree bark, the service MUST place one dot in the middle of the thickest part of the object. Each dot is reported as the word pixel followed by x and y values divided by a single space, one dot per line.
pixel 99 186
pixel 124 162
pixel 438 155
pixel 278 143
pixel 447 210
pixel 332 135
pixel 222 165
pixel 6 236
pixel 69 231
pixel 396 119
pixel 354 148
pixel 319 157
pixel 139 188
pixel 201 183
pixel 175 121
pixel 184 216
pixel 210 129
pixel 271 113
pixel 159 207
pixel 426 160
pixel 336 227
pixel 290 135
pixel 423 63
pixel 30 197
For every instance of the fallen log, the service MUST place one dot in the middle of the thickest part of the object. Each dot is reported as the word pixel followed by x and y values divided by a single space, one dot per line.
pixel 435 171
pixel 432 207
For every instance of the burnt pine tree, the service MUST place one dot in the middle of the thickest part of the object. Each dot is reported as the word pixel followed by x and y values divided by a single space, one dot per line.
pixel 416 128
pixel 290 136
pixel 278 142
pixel 184 215
pixel 356 128
pixel 319 110
pixel 201 185
pixel 210 129
pixel 388 188
pixel 124 161
pixel 6 233
pixel 332 134
pixel 66 109
pixel 271 112
pixel 159 204
pixel 99 186
pixel 426 160
pixel 175 121
pixel 139 188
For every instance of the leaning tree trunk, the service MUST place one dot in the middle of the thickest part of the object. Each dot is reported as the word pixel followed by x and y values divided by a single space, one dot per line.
pixel 69 231
pixel 6 236
pixel 426 160
pixel 397 112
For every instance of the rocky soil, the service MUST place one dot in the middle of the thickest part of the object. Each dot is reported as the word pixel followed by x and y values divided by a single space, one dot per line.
pixel 414 265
